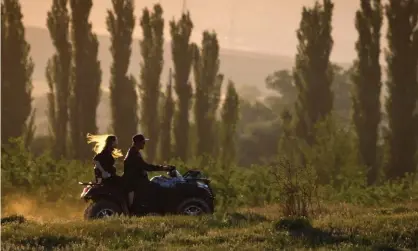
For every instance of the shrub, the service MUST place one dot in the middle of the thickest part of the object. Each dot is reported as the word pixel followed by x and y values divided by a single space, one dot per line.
pixel 297 187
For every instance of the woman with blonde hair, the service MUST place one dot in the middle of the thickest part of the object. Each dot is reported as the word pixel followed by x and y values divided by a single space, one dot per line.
pixel 104 160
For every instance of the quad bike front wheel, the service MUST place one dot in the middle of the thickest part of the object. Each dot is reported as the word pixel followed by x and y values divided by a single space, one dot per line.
pixel 101 209
pixel 193 207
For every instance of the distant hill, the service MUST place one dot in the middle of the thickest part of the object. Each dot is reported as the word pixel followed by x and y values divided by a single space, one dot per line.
pixel 243 67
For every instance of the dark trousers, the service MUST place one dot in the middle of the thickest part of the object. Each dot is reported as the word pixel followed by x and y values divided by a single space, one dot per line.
pixel 116 183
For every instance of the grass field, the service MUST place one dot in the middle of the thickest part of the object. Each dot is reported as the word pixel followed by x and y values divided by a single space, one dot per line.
pixel 338 227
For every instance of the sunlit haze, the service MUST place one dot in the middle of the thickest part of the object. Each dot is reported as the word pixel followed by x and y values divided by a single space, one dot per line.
pixel 264 26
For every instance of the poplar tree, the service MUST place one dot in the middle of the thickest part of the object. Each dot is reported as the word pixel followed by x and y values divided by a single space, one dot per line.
pixel 58 75
pixel 166 123
pixel 367 84
pixel 208 86
pixel 313 71
pixel 16 78
pixel 182 54
pixel 230 116
pixel 86 78
pixel 151 67
pixel 402 60
pixel 120 24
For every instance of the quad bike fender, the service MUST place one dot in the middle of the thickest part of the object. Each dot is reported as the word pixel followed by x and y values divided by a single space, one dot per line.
pixel 100 194
pixel 203 193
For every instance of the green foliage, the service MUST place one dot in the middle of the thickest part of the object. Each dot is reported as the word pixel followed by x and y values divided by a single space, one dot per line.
pixel 151 66
pixel 341 88
pixel 40 176
pixel 166 124
pixel 334 155
pixel 230 117
pixel 282 82
pixel 182 54
pixel 313 72
pixel 208 83
pixel 85 78
pixel 58 75
pixel 367 84
pixel 258 131
pixel 16 72
pixel 286 140
pixel 402 85
pixel 40 145
pixel 120 24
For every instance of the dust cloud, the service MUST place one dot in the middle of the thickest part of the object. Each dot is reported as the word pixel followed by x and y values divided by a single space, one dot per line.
pixel 33 209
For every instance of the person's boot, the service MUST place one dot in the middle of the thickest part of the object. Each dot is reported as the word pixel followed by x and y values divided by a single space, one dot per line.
pixel 134 208
pixel 129 208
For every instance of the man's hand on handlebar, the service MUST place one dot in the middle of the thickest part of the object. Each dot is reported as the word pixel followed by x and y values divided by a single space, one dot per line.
pixel 168 168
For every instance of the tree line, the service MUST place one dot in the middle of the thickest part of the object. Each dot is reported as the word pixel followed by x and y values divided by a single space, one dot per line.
pixel 189 119
pixel 313 76
pixel 74 79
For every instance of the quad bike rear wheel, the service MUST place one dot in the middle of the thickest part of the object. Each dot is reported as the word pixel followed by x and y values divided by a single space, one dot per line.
pixel 101 209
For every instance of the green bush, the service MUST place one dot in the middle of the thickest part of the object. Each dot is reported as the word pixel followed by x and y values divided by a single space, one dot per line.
pixel 41 176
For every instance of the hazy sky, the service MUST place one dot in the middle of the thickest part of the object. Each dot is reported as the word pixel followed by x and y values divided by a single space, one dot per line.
pixel 262 25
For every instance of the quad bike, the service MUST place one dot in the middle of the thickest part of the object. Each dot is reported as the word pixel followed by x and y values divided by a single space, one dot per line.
pixel 187 194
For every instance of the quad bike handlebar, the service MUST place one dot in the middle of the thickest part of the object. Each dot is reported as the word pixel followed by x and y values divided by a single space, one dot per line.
pixel 171 168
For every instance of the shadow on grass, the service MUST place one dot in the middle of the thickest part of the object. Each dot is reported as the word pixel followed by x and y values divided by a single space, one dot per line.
pixel 302 230
pixel 234 219
pixel 150 235
pixel 19 219
pixel 396 210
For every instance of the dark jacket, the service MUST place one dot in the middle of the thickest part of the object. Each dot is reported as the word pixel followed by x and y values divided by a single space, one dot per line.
pixel 107 161
pixel 135 168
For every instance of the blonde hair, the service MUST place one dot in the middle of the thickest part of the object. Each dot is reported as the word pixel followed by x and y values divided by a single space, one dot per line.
pixel 100 142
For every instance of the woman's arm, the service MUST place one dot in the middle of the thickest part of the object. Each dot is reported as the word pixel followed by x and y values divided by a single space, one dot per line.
pixel 99 166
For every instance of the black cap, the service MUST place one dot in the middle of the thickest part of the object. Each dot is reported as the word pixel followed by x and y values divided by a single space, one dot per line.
pixel 139 138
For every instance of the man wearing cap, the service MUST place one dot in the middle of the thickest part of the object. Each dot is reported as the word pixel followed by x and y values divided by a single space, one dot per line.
pixel 135 170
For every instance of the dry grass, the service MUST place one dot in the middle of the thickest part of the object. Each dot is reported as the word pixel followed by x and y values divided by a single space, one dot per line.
pixel 341 226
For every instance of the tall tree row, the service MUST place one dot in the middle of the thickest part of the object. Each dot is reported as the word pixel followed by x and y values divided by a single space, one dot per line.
pixel 207 95
pixel 402 60
pixel 166 123
pixel 16 74
pixel 86 77
pixel 120 24
pixel 230 116
pixel 182 54
pixel 151 67
pixel 313 71
pixel 58 75
pixel 367 84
